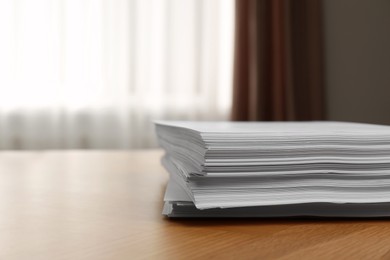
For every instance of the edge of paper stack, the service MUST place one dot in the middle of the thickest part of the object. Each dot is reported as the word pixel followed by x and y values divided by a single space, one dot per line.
pixel 275 169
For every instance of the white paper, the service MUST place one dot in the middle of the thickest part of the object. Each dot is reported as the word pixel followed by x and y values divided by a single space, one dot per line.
pixel 264 164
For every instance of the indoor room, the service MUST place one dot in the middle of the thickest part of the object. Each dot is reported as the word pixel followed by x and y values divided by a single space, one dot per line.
pixel 194 129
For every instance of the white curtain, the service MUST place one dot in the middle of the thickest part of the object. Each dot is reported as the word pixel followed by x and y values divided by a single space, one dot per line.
pixel 96 73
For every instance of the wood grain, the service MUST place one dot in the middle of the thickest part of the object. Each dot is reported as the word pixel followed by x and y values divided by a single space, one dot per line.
pixel 107 205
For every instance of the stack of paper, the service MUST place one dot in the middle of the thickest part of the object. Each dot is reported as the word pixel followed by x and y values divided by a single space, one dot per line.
pixel 265 169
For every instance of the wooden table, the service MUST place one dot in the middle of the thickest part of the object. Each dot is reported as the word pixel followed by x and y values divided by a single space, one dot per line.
pixel 107 205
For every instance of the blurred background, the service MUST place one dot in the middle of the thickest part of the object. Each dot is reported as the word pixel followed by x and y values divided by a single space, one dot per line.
pixel 94 74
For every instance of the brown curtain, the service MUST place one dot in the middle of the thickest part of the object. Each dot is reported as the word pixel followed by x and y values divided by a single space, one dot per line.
pixel 278 72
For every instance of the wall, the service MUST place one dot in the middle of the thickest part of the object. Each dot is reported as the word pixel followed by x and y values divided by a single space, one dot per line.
pixel 357 60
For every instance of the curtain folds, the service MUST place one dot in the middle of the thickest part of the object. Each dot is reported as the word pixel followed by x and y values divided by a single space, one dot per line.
pixel 278 72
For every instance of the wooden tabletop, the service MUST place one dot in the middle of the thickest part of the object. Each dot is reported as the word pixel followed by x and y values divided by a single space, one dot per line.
pixel 107 205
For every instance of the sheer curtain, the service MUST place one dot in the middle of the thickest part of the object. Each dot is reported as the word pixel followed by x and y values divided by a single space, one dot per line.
pixel 95 73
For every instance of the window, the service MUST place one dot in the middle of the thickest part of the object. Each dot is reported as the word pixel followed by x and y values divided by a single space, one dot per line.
pixel 95 73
